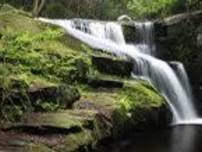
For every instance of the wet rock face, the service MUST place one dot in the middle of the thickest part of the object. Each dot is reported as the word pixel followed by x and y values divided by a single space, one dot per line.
pixel 199 36
pixel 199 40
pixel 154 118
pixel 179 38
pixel 102 83
pixel 142 119
pixel 113 67
pixel 129 33
pixel 177 28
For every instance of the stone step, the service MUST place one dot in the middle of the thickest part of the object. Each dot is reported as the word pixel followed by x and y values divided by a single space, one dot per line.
pixel 55 130
pixel 103 83
pixel 111 66
pixel 64 122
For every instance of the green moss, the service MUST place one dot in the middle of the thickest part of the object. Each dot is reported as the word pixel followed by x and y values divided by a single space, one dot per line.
pixel 37 49
pixel 66 119
pixel 139 95
pixel 37 148
pixel 79 141
pixel 126 106
pixel 15 20
pixel 38 54
pixel 59 120
pixel 133 94
pixel 136 102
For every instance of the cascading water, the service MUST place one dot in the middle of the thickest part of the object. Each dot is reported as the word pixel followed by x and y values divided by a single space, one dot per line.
pixel 145 35
pixel 181 73
pixel 109 36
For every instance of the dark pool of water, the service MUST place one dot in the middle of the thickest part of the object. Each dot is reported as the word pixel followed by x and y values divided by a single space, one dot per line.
pixel 175 139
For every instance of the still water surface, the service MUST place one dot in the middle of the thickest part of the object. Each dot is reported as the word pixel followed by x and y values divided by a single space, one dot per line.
pixel 175 139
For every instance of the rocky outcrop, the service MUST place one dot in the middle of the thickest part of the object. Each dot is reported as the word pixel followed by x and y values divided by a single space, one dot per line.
pixel 112 66
pixel 103 83
pixel 100 114
pixel 178 38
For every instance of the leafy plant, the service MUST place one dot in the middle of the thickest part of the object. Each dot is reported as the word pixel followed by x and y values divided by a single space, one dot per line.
pixel 46 105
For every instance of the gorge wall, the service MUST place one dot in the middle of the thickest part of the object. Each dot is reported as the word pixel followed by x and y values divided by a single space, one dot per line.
pixel 179 38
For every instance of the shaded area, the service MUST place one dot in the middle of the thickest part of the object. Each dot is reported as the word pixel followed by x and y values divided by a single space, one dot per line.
pixel 174 139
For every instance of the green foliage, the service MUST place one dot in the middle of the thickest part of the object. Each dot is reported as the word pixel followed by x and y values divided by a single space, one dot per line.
pixel 38 55
pixel 20 49
pixel 46 105
pixel 138 96
pixel 105 9
pixel 150 8
pixel 194 4
pixel 55 10
pixel 14 100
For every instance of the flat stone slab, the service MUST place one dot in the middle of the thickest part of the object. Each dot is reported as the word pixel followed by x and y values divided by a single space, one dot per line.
pixel 46 132
pixel 112 67
pixel 104 83
pixel 64 122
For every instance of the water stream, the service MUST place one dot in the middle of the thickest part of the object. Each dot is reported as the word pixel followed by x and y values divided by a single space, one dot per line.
pixel 109 36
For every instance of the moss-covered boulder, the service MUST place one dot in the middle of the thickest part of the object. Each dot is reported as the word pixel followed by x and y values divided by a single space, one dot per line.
pixel 136 104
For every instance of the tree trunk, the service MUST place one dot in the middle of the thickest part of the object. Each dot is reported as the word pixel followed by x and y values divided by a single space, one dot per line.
pixel 37 7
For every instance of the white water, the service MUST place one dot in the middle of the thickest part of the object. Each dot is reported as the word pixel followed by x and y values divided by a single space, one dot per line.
pixel 145 37
pixel 109 37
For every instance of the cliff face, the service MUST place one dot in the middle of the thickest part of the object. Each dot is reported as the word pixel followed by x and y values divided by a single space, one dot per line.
pixel 178 38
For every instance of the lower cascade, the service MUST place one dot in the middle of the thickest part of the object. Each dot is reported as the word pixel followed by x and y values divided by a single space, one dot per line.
pixel 109 36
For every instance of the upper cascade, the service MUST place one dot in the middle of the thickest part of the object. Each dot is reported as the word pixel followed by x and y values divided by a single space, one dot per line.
pixel 109 36
pixel 145 37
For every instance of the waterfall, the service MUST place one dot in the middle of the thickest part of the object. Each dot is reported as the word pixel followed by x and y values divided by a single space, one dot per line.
pixel 145 37
pixel 108 36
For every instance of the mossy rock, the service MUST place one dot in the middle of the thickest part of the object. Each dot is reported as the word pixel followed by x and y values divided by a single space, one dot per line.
pixel 140 107
pixel 82 141
pixel 69 120
pixel 136 104
pixel 37 148
pixel 80 130
pixel 65 96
